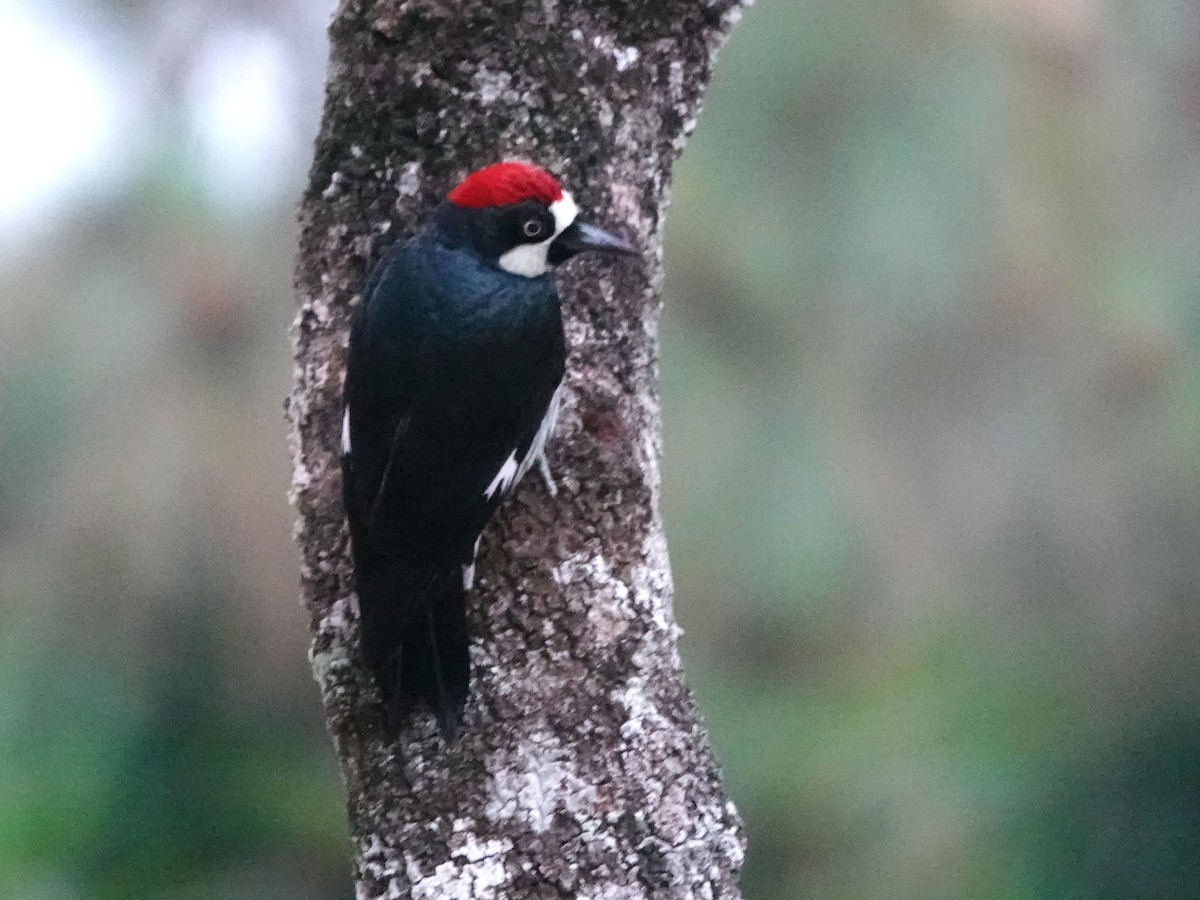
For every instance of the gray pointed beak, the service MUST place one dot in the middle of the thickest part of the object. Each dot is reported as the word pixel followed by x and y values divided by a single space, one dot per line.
pixel 579 237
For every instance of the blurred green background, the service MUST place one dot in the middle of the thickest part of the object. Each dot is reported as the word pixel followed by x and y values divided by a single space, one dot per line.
pixel 932 397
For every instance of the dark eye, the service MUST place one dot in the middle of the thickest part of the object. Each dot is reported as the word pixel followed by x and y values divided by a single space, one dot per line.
pixel 532 228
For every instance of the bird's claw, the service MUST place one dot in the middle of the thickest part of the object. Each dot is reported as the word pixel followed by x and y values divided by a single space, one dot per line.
pixel 547 476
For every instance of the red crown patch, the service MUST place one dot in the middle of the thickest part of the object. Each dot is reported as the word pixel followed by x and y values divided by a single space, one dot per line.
pixel 505 183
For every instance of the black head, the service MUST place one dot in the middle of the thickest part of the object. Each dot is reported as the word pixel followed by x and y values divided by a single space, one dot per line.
pixel 519 217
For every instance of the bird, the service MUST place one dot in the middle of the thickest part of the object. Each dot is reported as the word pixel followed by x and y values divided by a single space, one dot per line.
pixel 452 388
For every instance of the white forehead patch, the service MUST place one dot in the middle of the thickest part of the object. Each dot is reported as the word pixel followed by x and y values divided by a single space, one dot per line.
pixel 530 259
pixel 564 211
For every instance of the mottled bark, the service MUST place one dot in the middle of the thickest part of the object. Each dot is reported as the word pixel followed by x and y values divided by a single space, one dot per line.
pixel 583 770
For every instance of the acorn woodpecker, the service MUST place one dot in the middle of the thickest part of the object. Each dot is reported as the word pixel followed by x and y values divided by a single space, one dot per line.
pixel 452 388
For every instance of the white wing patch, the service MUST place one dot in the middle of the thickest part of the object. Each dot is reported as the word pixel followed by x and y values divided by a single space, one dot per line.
pixel 469 568
pixel 537 449
pixel 346 432
pixel 504 478
pixel 513 471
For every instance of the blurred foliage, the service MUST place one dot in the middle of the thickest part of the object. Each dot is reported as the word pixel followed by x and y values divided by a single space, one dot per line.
pixel 932 396
pixel 931 418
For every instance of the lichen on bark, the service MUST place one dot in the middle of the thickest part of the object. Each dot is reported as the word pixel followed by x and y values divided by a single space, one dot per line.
pixel 583 770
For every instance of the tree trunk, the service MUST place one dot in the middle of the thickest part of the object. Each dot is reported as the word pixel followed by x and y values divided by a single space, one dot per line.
pixel 583 770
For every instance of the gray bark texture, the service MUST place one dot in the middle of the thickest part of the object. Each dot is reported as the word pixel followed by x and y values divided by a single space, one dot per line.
pixel 583 769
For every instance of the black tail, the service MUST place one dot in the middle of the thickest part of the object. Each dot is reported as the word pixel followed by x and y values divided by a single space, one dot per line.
pixel 414 638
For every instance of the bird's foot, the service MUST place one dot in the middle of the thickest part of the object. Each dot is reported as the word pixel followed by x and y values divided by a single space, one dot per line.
pixel 547 476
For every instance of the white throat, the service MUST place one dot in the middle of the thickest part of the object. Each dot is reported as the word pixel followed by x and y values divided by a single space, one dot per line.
pixel 530 260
